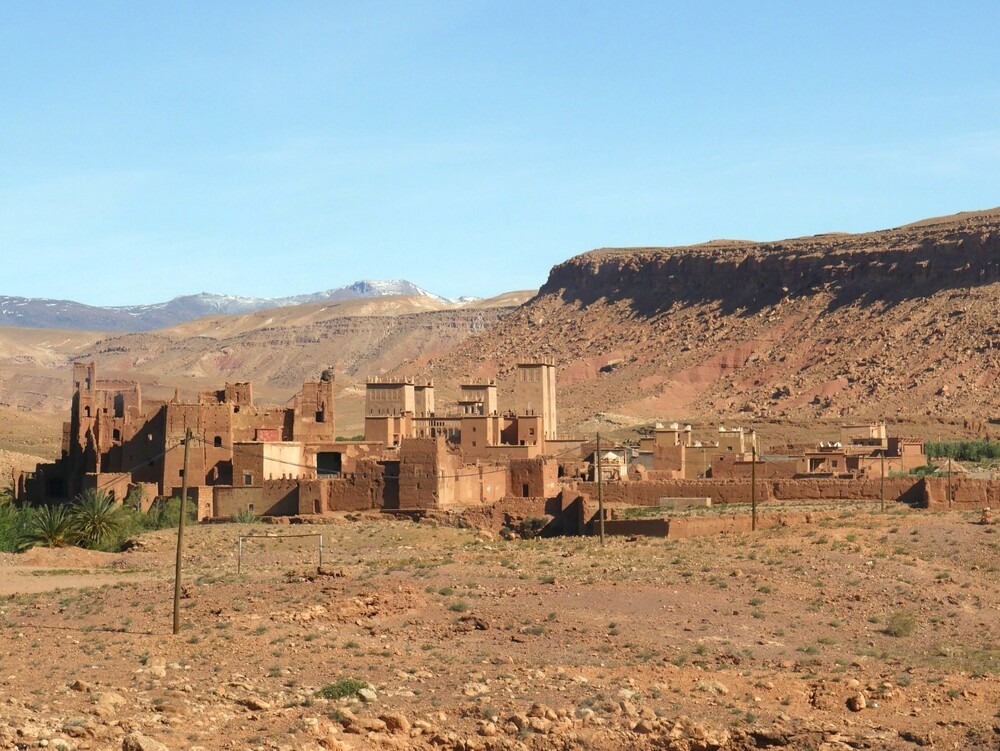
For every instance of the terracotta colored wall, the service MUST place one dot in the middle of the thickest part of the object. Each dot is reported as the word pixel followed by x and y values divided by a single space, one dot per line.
pixel 227 501
pixel 645 527
pixel 732 466
pixel 541 476
pixel 275 498
pixel 418 483
pixel 966 493
pixel 648 493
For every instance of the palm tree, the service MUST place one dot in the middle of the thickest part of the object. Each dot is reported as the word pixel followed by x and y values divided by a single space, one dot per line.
pixel 95 516
pixel 12 525
pixel 49 526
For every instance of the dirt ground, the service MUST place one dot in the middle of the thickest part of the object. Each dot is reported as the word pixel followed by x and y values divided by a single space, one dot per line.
pixel 863 630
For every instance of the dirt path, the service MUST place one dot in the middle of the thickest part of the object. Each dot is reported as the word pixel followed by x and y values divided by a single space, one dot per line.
pixel 29 579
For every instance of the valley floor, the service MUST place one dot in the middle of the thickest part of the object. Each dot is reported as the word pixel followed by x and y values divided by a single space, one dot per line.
pixel 862 630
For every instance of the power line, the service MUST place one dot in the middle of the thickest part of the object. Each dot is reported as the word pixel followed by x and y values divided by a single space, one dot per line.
pixel 311 468
pixel 129 472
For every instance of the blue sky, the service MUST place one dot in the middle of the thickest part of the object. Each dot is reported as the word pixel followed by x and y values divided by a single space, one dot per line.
pixel 272 148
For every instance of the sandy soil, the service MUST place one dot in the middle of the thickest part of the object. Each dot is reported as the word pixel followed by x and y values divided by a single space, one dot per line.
pixel 863 630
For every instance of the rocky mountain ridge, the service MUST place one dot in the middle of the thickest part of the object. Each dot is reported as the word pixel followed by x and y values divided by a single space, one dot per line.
pixel 899 324
pixel 276 349
pixel 66 314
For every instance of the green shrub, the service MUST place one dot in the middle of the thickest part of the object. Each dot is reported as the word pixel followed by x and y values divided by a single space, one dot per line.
pixel 343 688
pixel 166 512
pixel 901 624
pixel 13 525
pixel 532 526
pixel 246 516
pixel 49 526
pixel 970 451
pixel 96 518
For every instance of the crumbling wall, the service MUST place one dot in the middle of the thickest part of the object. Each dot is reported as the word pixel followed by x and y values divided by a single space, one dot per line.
pixel 537 478
pixel 648 493
pixel 273 498
pixel 966 493
pixel 418 480
pixel 228 501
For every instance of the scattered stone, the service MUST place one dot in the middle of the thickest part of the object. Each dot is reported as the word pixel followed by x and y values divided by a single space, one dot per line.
pixel 919 739
pixel 472 622
pixel 475 689
pixel 255 704
pixel 362 725
pixel 643 727
pixel 857 702
pixel 396 722
pixel 368 695
pixel 716 688
pixel 140 742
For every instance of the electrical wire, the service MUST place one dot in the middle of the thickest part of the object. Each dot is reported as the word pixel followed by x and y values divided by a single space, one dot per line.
pixel 297 465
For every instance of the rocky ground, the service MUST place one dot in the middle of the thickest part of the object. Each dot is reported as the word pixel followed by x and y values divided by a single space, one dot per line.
pixel 862 630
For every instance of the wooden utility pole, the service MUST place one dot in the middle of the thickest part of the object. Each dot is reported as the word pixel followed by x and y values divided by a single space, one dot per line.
pixel 753 487
pixel 600 487
pixel 881 489
pixel 180 534
pixel 949 482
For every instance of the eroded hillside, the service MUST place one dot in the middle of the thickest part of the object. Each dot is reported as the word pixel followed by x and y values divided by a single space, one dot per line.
pixel 901 323
pixel 275 349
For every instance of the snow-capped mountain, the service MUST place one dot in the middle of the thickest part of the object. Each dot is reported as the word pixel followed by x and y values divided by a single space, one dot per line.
pixel 66 314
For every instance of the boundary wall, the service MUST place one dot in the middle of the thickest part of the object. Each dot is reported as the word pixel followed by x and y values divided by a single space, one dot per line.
pixel 648 493
pixel 966 493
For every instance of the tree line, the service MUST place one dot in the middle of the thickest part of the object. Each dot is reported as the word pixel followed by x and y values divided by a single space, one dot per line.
pixel 968 451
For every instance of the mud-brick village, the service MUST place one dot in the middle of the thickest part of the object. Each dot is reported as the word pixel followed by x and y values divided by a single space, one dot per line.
pixel 483 376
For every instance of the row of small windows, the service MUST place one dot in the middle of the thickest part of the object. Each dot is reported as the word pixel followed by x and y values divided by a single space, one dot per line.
pixel 383 395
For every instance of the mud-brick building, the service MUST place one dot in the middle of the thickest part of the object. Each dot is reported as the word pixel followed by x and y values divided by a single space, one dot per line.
pixel 114 440
pixel 281 461
pixel 479 427
pixel 421 474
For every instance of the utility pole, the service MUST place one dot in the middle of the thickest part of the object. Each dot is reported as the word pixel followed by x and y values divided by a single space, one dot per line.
pixel 600 487
pixel 949 482
pixel 753 487
pixel 881 490
pixel 180 535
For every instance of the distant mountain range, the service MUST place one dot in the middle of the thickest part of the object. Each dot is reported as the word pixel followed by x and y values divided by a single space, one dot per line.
pixel 65 314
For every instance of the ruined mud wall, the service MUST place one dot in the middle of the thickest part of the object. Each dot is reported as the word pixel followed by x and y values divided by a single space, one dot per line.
pixel 274 498
pixel 505 511
pixel 648 493
pixel 697 526
pixel 966 493
pixel 536 478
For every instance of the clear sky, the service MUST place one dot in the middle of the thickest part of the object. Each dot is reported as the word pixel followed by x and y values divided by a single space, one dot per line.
pixel 151 149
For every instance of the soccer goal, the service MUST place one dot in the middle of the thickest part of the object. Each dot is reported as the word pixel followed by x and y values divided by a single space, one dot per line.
pixel 244 539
